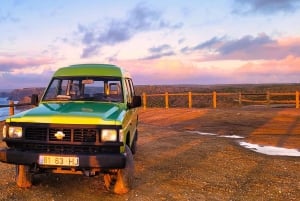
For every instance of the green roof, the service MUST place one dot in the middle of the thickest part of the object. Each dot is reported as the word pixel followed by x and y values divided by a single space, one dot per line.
pixel 90 70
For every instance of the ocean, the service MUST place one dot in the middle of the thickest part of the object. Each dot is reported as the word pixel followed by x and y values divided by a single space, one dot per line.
pixel 4 111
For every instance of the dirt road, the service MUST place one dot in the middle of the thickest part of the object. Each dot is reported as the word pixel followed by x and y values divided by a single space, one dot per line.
pixel 173 162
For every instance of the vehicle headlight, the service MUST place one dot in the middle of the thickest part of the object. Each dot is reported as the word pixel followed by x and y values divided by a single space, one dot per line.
pixel 15 132
pixel 108 135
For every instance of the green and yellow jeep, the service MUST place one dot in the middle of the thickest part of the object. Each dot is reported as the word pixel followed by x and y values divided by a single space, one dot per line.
pixel 85 123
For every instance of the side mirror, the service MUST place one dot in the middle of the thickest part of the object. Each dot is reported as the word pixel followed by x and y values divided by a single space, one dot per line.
pixel 34 99
pixel 136 102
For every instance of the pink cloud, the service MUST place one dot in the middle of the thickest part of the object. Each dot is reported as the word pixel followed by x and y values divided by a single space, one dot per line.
pixel 249 48
pixel 10 63
pixel 288 65
pixel 169 71
pixel 172 71
pixel 289 41
pixel 160 68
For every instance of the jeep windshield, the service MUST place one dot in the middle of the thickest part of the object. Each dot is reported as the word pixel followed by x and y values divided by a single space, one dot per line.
pixel 105 89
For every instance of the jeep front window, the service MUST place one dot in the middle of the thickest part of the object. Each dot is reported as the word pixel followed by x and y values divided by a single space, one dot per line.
pixel 89 89
pixel 57 87
pixel 105 90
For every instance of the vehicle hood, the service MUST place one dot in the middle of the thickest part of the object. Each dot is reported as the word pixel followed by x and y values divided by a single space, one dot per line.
pixel 73 113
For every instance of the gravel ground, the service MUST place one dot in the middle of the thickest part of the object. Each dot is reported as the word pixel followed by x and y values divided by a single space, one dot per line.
pixel 173 162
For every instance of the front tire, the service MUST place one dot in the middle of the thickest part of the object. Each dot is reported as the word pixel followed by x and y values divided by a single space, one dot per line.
pixel 121 180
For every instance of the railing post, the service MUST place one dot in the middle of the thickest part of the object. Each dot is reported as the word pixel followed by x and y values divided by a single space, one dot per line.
pixel 214 99
pixel 11 108
pixel 190 99
pixel 268 98
pixel 240 98
pixel 167 100
pixel 144 100
pixel 297 99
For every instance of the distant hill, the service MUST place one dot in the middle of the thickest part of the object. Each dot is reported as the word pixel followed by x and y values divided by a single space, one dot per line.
pixel 20 94
pixel 4 94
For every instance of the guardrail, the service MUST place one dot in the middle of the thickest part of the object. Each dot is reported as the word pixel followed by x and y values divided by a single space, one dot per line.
pixel 210 99
pixel 12 106
pixel 240 98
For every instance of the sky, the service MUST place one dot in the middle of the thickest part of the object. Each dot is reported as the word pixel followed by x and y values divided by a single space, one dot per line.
pixel 158 42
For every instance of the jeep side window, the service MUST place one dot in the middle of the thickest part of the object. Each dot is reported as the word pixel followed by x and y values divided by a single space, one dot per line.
pixel 129 89
pixel 115 91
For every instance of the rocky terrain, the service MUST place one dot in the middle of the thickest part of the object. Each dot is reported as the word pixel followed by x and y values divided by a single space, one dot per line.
pixel 178 158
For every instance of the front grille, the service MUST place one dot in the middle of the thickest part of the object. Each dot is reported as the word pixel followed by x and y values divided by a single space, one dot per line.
pixel 36 134
pixel 66 139
pixel 85 135
pixel 67 134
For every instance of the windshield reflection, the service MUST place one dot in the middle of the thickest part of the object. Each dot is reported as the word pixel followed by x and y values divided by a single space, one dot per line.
pixel 106 89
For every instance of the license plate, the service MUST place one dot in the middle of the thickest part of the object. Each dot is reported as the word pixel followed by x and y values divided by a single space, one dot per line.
pixel 59 160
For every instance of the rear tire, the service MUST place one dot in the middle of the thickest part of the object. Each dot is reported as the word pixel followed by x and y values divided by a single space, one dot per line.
pixel 120 181
pixel 23 176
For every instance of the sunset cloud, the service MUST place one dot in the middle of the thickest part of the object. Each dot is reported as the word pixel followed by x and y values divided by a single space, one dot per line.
pixel 158 42
pixel 167 71
pixel 249 47
pixel 11 63
pixel 142 18
pixel 287 66
pixel 159 52
pixel 265 6
pixel 31 71
pixel 12 81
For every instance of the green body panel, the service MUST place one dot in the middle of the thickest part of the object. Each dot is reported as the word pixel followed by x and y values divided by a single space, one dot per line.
pixel 90 70
pixel 93 113
pixel 89 113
